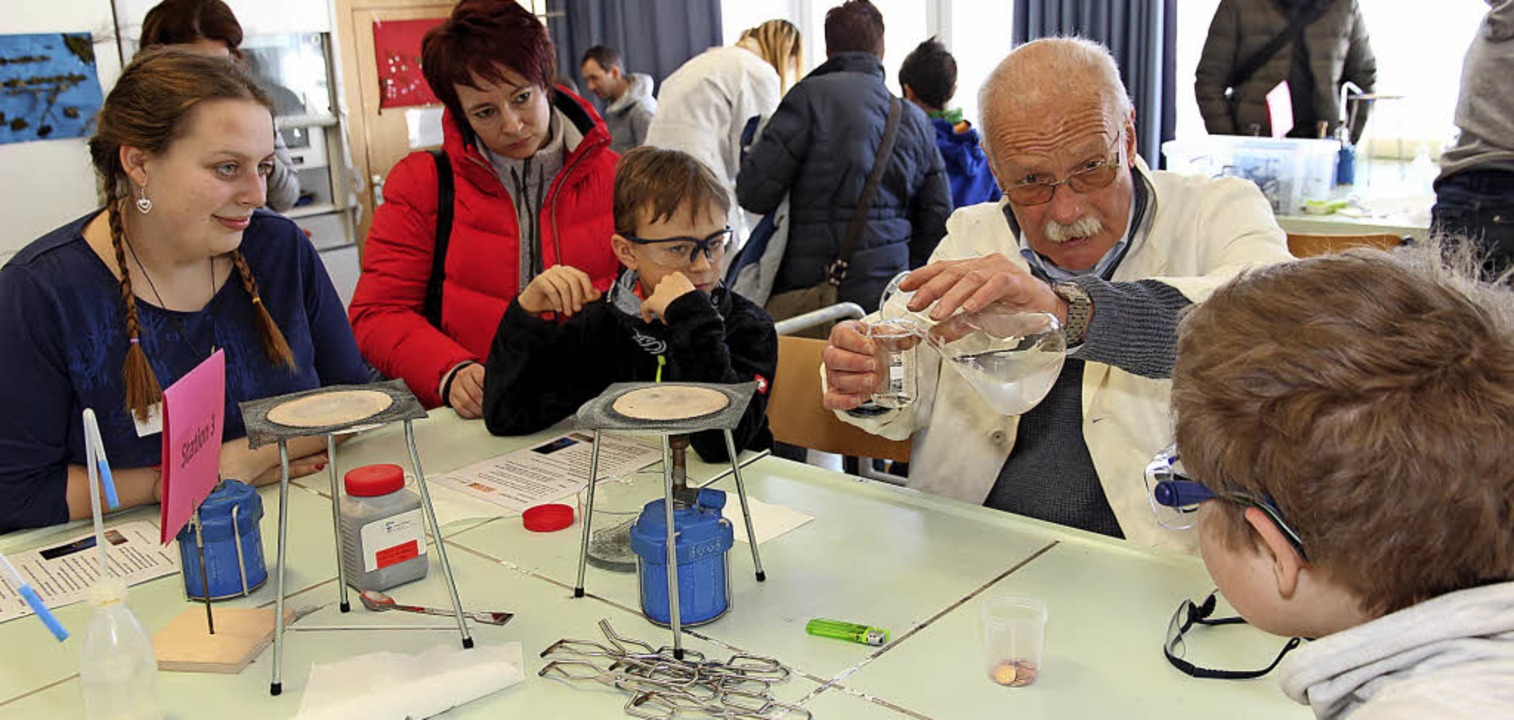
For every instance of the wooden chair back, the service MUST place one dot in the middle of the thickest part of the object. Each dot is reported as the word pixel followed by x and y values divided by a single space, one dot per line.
pixel 797 416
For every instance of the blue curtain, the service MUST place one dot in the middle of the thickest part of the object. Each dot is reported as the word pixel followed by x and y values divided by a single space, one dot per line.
pixel 1142 36
pixel 654 37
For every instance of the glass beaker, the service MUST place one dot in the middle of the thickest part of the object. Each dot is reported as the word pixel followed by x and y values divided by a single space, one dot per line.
pixel 1011 357
pixel 618 501
pixel 894 343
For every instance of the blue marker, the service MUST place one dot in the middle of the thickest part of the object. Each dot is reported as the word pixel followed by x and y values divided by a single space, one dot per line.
pixel 97 456
pixel 35 601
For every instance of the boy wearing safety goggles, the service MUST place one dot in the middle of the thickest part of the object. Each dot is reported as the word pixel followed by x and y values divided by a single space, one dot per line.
pixel 1345 424
pixel 667 318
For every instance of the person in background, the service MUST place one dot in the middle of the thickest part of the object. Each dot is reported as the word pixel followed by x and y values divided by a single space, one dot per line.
pixel 929 79
pixel 704 106
pixel 630 105
pixel 1087 233
pixel 1343 425
pixel 111 308
pixel 209 27
pixel 668 318
pixel 532 175
pixel 1474 195
pixel 1330 49
pixel 565 83
pixel 819 148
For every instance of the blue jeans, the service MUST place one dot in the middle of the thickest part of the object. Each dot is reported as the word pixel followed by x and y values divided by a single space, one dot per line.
pixel 1479 204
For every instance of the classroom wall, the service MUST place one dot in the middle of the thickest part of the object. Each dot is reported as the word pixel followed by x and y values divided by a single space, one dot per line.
pixel 48 183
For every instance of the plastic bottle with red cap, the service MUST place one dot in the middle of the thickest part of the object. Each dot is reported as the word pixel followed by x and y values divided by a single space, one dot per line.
pixel 383 536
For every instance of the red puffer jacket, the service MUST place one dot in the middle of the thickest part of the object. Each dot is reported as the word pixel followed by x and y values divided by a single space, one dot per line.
pixel 483 257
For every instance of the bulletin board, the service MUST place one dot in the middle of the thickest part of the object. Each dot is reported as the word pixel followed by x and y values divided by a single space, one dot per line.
pixel 48 86
pixel 397 50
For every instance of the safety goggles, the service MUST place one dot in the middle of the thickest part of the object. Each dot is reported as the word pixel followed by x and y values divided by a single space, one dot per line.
pixel 1175 498
pixel 1175 647
pixel 680 252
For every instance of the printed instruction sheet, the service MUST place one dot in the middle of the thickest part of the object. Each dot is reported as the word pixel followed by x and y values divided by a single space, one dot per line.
pixel 62 572
pixel 549 471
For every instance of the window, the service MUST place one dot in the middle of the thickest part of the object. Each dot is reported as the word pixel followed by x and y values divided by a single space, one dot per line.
pixel 1419 56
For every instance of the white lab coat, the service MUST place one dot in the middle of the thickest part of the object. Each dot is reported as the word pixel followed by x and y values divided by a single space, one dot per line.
pixel 704 106
pixel 1197 234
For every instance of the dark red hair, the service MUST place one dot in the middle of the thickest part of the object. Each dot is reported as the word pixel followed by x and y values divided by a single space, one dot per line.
pixel 477 41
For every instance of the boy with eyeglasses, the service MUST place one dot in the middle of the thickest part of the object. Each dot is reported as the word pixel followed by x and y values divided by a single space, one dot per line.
pixel 1347 421
pixel 667 318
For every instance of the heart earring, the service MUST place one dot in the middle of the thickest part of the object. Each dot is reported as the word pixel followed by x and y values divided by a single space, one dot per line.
pixel 144 205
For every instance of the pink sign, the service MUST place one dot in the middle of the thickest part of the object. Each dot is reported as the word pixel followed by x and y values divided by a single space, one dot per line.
pixel 194 410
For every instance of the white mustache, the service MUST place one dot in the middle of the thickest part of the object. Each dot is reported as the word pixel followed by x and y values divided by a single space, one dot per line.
pixel 1086 226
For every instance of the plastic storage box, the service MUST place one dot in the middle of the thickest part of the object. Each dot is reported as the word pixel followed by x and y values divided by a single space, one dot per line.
pixel 1289 171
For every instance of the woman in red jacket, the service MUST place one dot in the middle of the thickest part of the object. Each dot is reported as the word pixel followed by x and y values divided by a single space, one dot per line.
pixel 532 175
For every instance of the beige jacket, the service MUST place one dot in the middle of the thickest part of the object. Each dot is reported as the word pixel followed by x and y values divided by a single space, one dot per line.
pixel 1197 234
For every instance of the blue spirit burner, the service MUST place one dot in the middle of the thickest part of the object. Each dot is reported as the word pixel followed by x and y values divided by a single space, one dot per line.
pixel 229 528
pixel 703 538
pixel 680 542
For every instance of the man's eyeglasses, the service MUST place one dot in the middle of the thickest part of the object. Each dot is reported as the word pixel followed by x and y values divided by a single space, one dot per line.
pixel 1094 175
pixel 1188 615
pixel 678 252
pixel 1175 498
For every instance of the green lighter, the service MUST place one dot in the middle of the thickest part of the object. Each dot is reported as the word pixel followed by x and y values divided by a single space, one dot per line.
pixel 847 631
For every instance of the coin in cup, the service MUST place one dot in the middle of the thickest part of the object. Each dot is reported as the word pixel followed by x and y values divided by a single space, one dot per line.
pixel 1014 633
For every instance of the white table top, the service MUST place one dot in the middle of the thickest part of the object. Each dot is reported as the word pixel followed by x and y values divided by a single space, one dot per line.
pixel 889 557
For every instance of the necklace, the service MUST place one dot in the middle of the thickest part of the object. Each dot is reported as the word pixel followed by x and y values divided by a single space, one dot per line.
pixel 172 314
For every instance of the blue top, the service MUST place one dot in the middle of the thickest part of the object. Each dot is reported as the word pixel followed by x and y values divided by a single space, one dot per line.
pixel 63 343
pixel 966 165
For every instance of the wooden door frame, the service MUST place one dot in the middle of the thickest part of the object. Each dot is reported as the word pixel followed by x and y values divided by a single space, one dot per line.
pixel 353 85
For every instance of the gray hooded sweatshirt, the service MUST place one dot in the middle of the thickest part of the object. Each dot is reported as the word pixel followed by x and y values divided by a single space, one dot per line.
pixel 1485 111
pixel 629 117
pixel 1448 657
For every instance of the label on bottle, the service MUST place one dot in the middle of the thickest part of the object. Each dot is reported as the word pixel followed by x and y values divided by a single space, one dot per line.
pixel 393 540
pixel 896 373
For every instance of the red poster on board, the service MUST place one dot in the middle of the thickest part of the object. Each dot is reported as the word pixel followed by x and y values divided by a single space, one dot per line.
pixel 397 50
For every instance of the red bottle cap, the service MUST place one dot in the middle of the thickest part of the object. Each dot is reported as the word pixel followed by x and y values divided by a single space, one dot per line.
pixel 374 480
pixel 547 518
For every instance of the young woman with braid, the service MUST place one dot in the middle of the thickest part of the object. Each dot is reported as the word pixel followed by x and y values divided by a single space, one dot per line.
pixel 106 311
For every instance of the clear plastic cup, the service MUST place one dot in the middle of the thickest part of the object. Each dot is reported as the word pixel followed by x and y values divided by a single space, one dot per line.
pixel 1014 631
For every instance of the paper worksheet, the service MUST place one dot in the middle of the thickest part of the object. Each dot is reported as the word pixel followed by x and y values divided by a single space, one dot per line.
pixel 549 471
pixel 62 573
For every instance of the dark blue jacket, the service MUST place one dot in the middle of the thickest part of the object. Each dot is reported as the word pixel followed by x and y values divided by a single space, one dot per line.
pixel 966 165
pixel 819 148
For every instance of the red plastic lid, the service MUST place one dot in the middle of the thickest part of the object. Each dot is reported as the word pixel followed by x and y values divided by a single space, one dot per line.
pixel 547 518
pixel 374 480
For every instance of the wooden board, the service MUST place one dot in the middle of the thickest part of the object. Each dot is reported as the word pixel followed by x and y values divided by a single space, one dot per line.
pixel 184 645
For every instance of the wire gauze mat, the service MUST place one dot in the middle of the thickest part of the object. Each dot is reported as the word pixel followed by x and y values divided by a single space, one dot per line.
pixel 599 413
pixel 262 431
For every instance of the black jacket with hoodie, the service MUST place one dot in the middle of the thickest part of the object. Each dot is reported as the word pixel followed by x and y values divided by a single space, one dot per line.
pixel 540 371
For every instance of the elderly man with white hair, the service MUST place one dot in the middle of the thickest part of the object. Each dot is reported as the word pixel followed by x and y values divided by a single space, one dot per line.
pixel 1115 250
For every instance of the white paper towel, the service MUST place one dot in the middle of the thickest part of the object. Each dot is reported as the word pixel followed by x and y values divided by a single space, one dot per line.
pixel 379 686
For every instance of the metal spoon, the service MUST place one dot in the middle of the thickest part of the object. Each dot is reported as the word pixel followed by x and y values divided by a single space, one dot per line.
pixel 380 602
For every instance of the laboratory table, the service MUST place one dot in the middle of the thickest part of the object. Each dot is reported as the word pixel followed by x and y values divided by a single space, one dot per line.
pixel 916 564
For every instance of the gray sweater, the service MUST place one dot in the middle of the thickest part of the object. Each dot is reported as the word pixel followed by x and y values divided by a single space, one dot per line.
pixel 629 117
pixel 1450 657
pixel 1485 111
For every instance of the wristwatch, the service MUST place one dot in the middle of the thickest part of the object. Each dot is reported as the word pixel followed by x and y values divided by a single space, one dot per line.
pixel 1079 310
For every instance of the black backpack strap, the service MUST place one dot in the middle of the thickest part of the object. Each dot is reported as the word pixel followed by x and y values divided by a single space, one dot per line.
pixel 445 194
pixel 1296 24
pixel 837 271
